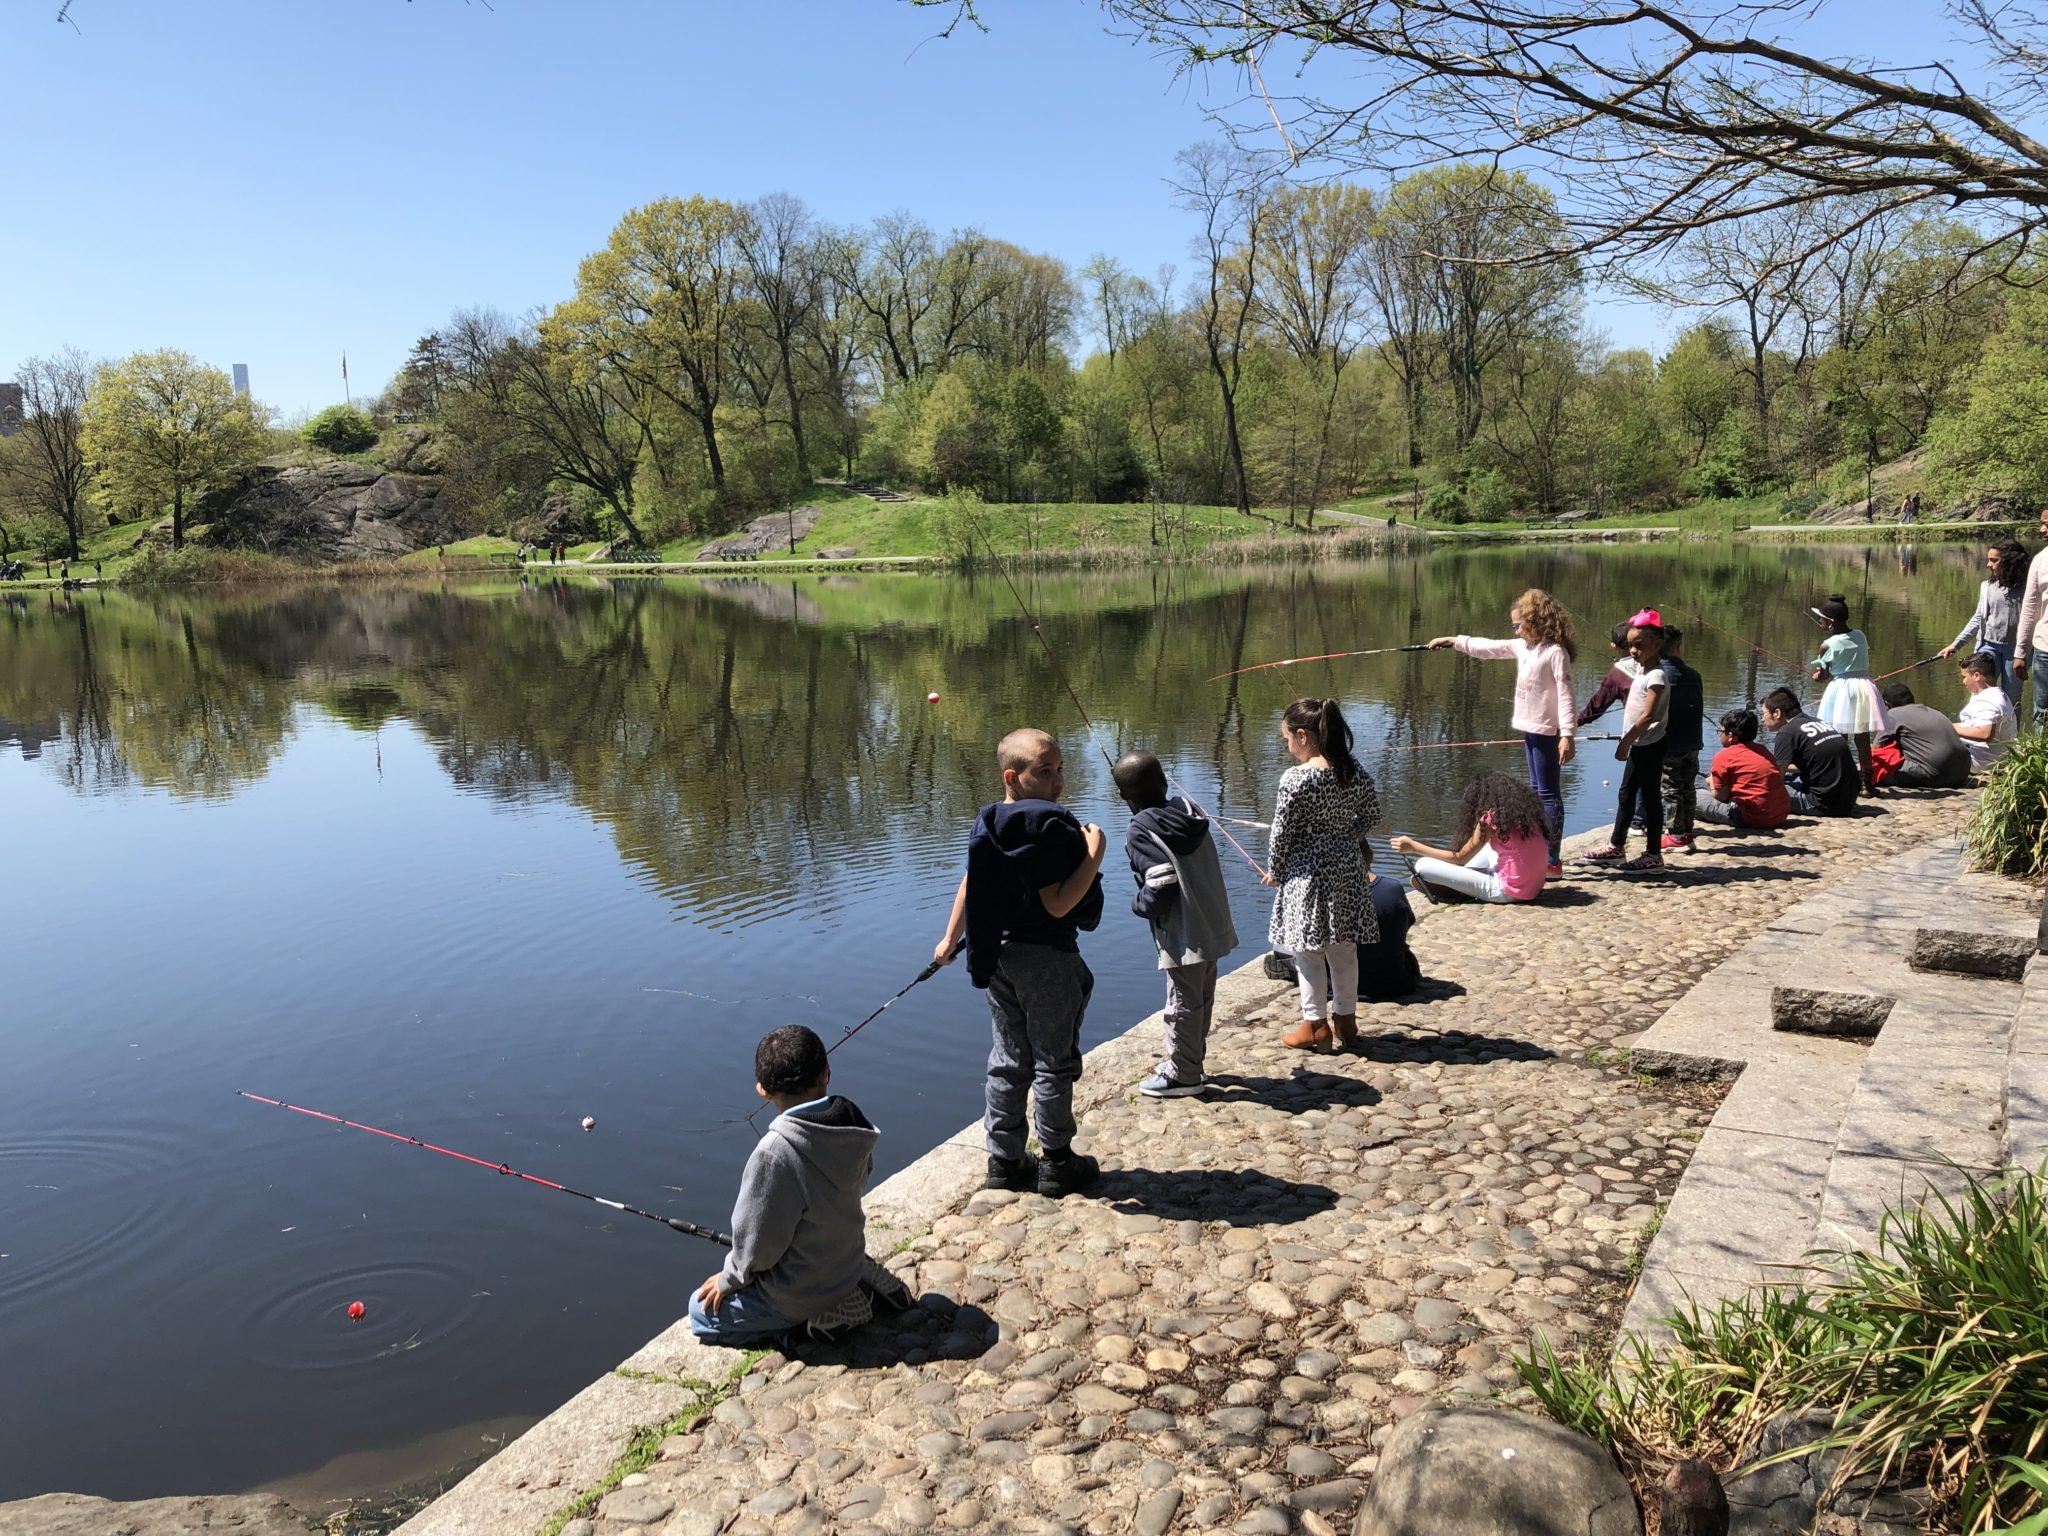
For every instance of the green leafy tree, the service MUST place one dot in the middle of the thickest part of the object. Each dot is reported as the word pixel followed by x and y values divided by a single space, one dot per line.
pixel 2000 439
pixel 162 427
pixel 341 429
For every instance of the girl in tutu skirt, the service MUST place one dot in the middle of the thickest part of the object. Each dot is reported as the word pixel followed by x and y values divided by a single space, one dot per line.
pixel 1851 704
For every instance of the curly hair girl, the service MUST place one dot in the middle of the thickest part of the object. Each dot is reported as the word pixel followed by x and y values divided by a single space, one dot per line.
pixel 1544 620
pixel 1507 806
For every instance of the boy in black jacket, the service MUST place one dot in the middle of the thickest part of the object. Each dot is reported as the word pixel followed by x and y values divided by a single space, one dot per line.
pixel 1033 882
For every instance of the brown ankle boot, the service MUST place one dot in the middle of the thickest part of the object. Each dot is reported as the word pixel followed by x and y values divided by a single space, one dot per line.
pixel 1345 1026
pixel 1309 1035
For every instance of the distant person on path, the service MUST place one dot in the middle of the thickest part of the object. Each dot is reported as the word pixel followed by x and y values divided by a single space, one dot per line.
pixel 2031 634
pixel 1819 762
pixel 1033 884
pixel 1543 650
pixel 1181 895
pixel 1641 749
pixel 1995 623
pixel 1851 702
pixel 1322 908
pixel 1503 838
pixel 1935 756
pixel 1684 738
pixel 799 1236
pixel 1988 722
pixel 1745 787
pixel 1909 509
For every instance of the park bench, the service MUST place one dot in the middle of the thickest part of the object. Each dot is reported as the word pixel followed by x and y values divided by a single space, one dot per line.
pixel 508 557
pixel 736 554
pixel 634 555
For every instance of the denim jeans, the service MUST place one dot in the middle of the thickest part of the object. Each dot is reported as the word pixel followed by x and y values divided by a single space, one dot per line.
pixel 2001 652
pixel 1544 779
pixel 1190 1000
pixel 1480 879
pixel 1724 813
pixel 1035 1002
pixel 743 1318
pixel 1681 791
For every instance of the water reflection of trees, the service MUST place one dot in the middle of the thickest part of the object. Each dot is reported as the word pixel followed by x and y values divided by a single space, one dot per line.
pixel 762 732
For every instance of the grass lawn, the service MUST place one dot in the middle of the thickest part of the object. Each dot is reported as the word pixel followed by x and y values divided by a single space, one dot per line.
pixel 869 527
pixel 1715 515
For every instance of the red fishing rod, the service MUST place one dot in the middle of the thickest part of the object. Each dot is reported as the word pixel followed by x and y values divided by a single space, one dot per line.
pixel 1295 661
pixel 1924 661
pixel 674 1224
pixel 1504 741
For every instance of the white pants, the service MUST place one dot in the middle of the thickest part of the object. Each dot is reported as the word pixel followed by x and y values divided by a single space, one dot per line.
pixel 1480 879
pixel 1331 972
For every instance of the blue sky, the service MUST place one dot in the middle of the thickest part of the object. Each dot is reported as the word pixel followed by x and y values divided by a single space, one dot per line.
pixel 276 182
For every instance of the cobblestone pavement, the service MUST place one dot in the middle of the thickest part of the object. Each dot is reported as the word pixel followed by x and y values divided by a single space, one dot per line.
pixel 1268 1277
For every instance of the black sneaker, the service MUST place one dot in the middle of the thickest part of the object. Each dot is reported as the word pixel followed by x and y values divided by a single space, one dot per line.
pixel 1068 1175
pixel 1278 967
pixel 1022 1176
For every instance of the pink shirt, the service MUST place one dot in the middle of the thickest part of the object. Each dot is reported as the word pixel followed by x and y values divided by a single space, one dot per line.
pixel 1521 862
pixel 1543 682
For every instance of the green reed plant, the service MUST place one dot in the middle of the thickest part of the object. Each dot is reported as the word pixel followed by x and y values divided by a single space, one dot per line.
pixel 2008 832
pixel 1932 1352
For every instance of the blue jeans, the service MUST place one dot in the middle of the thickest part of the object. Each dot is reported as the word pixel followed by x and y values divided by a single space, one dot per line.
pixel 2001 651
pixel 743 1318
pixel 1544 779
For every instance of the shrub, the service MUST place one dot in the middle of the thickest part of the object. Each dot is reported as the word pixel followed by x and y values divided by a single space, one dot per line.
pixel 1931 1352
pixel 1488 496
pixel 1798 506
pixel 2008 832
pixel 1444 503
pixel 341 429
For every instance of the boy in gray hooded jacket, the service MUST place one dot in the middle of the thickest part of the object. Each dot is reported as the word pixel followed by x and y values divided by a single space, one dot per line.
pixel 799 1237
pixel 1180 893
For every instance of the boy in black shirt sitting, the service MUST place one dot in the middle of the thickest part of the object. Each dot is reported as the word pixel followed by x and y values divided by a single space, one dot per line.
pixel 1822 777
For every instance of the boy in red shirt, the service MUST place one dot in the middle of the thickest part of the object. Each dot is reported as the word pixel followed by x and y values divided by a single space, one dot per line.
pixel 1745 786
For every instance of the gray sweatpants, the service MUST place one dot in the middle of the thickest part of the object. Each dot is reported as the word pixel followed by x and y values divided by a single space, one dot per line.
pixel 1035 1001
pixel 1190 1000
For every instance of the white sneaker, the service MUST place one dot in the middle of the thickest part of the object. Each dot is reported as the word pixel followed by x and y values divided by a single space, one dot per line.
pixel 1160 1086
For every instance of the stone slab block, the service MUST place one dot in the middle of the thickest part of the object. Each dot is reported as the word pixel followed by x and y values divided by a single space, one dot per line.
pixel 1747 1203
pixel 1861 1188
pixel 1971 952
pixel 1801 1090
pixel 2030 1020
pixel 1976 1015
pixel 1929 1105
pixel 2026 1112
pixel 1662 1291
pixel 1819 1011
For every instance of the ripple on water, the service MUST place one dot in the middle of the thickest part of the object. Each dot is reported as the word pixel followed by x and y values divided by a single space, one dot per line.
pixel 73 1202
pixel 408 1304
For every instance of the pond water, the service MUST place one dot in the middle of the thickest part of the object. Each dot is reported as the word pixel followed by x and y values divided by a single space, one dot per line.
pixel 474 862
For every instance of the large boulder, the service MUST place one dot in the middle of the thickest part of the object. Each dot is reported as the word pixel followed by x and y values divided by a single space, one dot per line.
pixel 1478 1470
pixel 76 1514
pixel 338 510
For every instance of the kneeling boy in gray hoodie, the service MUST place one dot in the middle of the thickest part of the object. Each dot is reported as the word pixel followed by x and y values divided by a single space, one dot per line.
pixel 799 1255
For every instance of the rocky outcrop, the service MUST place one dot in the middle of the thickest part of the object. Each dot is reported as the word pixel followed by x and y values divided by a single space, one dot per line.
pixel 1478 1470
pixel 75 1514
pixel 778 530
pixel 340 510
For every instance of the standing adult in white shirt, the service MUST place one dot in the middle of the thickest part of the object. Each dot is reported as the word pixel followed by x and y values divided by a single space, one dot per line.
pixel 2033 625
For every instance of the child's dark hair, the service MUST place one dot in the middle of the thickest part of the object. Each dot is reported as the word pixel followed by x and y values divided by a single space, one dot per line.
pixel 1655 630
pixel 788 1059
pixel 1324 724
pixel 1833 611
pixel 1742 725
pixel 1781 701
pixel 1505 804
pixel 1978 664
pixel 1618 636
pixel 1673 638
pixel 2012 564
pixel 1896 694
pixel 1139 780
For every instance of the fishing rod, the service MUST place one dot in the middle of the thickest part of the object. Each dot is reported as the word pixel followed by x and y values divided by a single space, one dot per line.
pixel 924 975
pixel 1080 709
pixel 1503 741
pixel 673 1223
pixel 1924 661
pixel 1294 661
pixel 1759 649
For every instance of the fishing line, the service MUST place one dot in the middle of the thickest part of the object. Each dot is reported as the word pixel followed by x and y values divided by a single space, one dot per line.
pixel 1760 650
pixel 1294 661
pixel 1080 709
pixel 673 1223
pixel 735 1002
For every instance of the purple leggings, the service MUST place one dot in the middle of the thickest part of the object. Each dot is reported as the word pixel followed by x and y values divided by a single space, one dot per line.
pixel 1543 778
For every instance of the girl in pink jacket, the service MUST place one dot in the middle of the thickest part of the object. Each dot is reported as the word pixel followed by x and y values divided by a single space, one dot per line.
pixel 1543 650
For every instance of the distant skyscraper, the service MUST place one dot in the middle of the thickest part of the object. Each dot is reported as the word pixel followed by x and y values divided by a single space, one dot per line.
pixel 241 378
pixel 10 409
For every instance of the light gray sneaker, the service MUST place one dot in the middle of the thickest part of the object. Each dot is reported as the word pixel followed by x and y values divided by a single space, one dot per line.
pixel 1160 1086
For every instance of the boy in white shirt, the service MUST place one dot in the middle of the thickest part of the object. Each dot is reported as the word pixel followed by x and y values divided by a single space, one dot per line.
pixel 1988 721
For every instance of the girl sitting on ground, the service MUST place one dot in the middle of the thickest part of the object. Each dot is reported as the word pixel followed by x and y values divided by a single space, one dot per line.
pixel 1851 704
pixel 1543 650
pixel 1503 846
pixel 1321 908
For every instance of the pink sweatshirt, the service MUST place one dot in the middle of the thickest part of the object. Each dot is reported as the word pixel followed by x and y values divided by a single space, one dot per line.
pixel 1543 682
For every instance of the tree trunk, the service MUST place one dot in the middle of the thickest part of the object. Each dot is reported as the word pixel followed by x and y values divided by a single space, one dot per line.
pixel 1232 447
pixel 710 430
pixel 796 416
pixel 178 518
pixel 621 503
